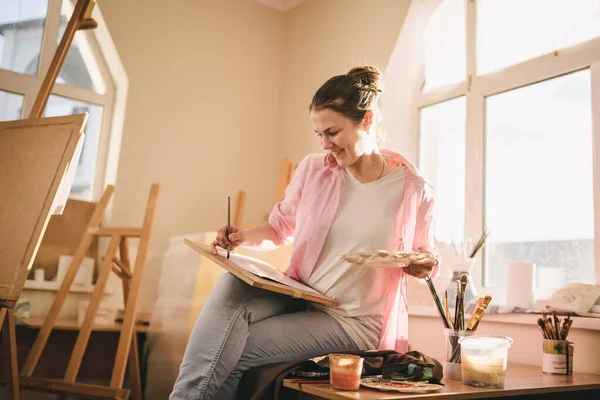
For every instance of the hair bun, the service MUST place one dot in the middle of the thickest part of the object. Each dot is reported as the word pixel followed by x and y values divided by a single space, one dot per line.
pixel 369 76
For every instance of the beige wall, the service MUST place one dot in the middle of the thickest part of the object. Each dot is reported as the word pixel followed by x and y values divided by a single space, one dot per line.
pixel 219 91
pixel 327 38
pixel 202 113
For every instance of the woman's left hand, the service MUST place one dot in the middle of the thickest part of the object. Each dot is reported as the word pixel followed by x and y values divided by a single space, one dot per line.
pixel 420 270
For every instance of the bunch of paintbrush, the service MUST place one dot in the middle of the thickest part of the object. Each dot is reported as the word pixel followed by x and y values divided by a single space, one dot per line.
pixel 458 322
pixel 471 326
pixel 552 328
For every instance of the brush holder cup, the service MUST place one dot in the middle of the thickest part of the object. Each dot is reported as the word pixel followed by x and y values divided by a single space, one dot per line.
pixel 452 367
pixel 557 357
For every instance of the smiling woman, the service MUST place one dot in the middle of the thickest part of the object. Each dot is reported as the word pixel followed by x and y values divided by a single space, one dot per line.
pixel 345 115
pixel 351 199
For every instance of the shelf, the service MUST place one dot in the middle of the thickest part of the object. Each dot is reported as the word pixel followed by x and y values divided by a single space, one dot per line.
pixel 30 284
pixel 73 325
pixel 509 318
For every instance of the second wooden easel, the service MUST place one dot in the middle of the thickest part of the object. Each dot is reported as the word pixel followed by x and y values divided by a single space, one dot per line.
pixel 127 349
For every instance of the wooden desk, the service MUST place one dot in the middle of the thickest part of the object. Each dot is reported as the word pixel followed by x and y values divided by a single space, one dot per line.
pixel 521 380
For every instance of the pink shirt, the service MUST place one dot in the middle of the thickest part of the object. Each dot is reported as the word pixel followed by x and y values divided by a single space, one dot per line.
pixel 308 207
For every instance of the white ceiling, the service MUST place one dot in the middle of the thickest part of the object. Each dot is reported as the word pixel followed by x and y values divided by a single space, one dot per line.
pixel 281 5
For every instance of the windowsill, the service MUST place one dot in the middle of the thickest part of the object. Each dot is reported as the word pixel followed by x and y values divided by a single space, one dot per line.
pixel 522 319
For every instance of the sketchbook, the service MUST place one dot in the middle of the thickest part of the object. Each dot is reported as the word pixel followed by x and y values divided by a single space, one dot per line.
pixel 261 274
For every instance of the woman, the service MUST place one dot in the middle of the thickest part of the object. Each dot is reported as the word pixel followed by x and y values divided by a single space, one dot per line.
pixel 353 198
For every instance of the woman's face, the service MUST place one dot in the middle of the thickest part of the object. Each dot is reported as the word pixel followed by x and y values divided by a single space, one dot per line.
pixel 341 137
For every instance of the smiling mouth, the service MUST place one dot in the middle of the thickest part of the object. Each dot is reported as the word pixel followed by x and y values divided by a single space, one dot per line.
pixel 335 153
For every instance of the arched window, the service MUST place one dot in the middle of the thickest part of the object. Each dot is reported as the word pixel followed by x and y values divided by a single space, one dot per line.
pixel 509 117
pixel 30 31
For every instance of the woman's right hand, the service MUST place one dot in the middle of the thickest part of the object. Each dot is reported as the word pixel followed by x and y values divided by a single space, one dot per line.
pixel 237 236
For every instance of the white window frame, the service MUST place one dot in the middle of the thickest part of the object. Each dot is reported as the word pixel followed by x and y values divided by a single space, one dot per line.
pixel 476 89
pixel 113 100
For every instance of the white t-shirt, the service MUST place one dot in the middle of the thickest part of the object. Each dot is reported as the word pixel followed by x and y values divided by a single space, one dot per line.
pixel 365 220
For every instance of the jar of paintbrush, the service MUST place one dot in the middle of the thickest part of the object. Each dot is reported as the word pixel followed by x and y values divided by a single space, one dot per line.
pixel 557 351
pixel 458 330
pixel 456 327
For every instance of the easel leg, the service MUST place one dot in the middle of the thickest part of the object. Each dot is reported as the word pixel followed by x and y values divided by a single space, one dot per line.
pixel 133 367
pixel 128 327
pixel 90 315
pixel 133 363
pixel 9 347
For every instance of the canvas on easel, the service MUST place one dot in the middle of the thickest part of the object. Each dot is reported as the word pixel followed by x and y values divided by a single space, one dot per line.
pixel 262 275
pixel 34 158
pixel 37 159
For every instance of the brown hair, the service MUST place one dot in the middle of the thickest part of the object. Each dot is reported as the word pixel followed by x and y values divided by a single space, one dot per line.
pixel 352 94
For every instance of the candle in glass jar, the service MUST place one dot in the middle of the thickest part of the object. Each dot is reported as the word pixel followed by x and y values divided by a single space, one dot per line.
pixel 345 371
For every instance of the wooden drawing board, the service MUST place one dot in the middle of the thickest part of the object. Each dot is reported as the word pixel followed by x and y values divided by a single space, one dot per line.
pixel 257 281
pixel 35 156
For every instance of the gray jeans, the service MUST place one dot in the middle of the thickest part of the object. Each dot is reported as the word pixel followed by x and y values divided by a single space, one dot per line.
pixel 241 327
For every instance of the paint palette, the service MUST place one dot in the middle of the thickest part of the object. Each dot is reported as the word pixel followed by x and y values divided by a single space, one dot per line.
pixel 388 259
pixel 402 387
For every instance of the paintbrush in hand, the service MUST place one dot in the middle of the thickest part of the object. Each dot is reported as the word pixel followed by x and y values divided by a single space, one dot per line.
pixel 228 225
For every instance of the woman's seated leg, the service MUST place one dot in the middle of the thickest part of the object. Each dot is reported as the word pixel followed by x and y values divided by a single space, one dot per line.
pixel 220 333
pixel 288 337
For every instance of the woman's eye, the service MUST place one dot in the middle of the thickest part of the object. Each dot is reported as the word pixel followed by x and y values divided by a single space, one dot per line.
pixel 333 133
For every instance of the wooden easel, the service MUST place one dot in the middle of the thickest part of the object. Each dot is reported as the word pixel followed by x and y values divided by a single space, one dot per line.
pixel 34 157
pixel 127 349
pixel 80 20
pixel 286 173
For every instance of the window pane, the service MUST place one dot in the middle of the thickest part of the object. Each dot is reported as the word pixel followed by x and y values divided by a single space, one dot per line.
pixel 539 187
pixel 445 45
pixel 513 31
pixel 21 29
pixel 84 177
pixel 11 105
pixel 442 162
pixel 80 68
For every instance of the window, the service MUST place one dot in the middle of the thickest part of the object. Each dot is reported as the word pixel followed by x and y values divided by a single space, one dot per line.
pixel 509 146
pixel 11 105
pixel 29 33
pixel 22 25
pixel 513 31
pixel 539 186
pixel 84 176
pixel 445 47
pixel 442 151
